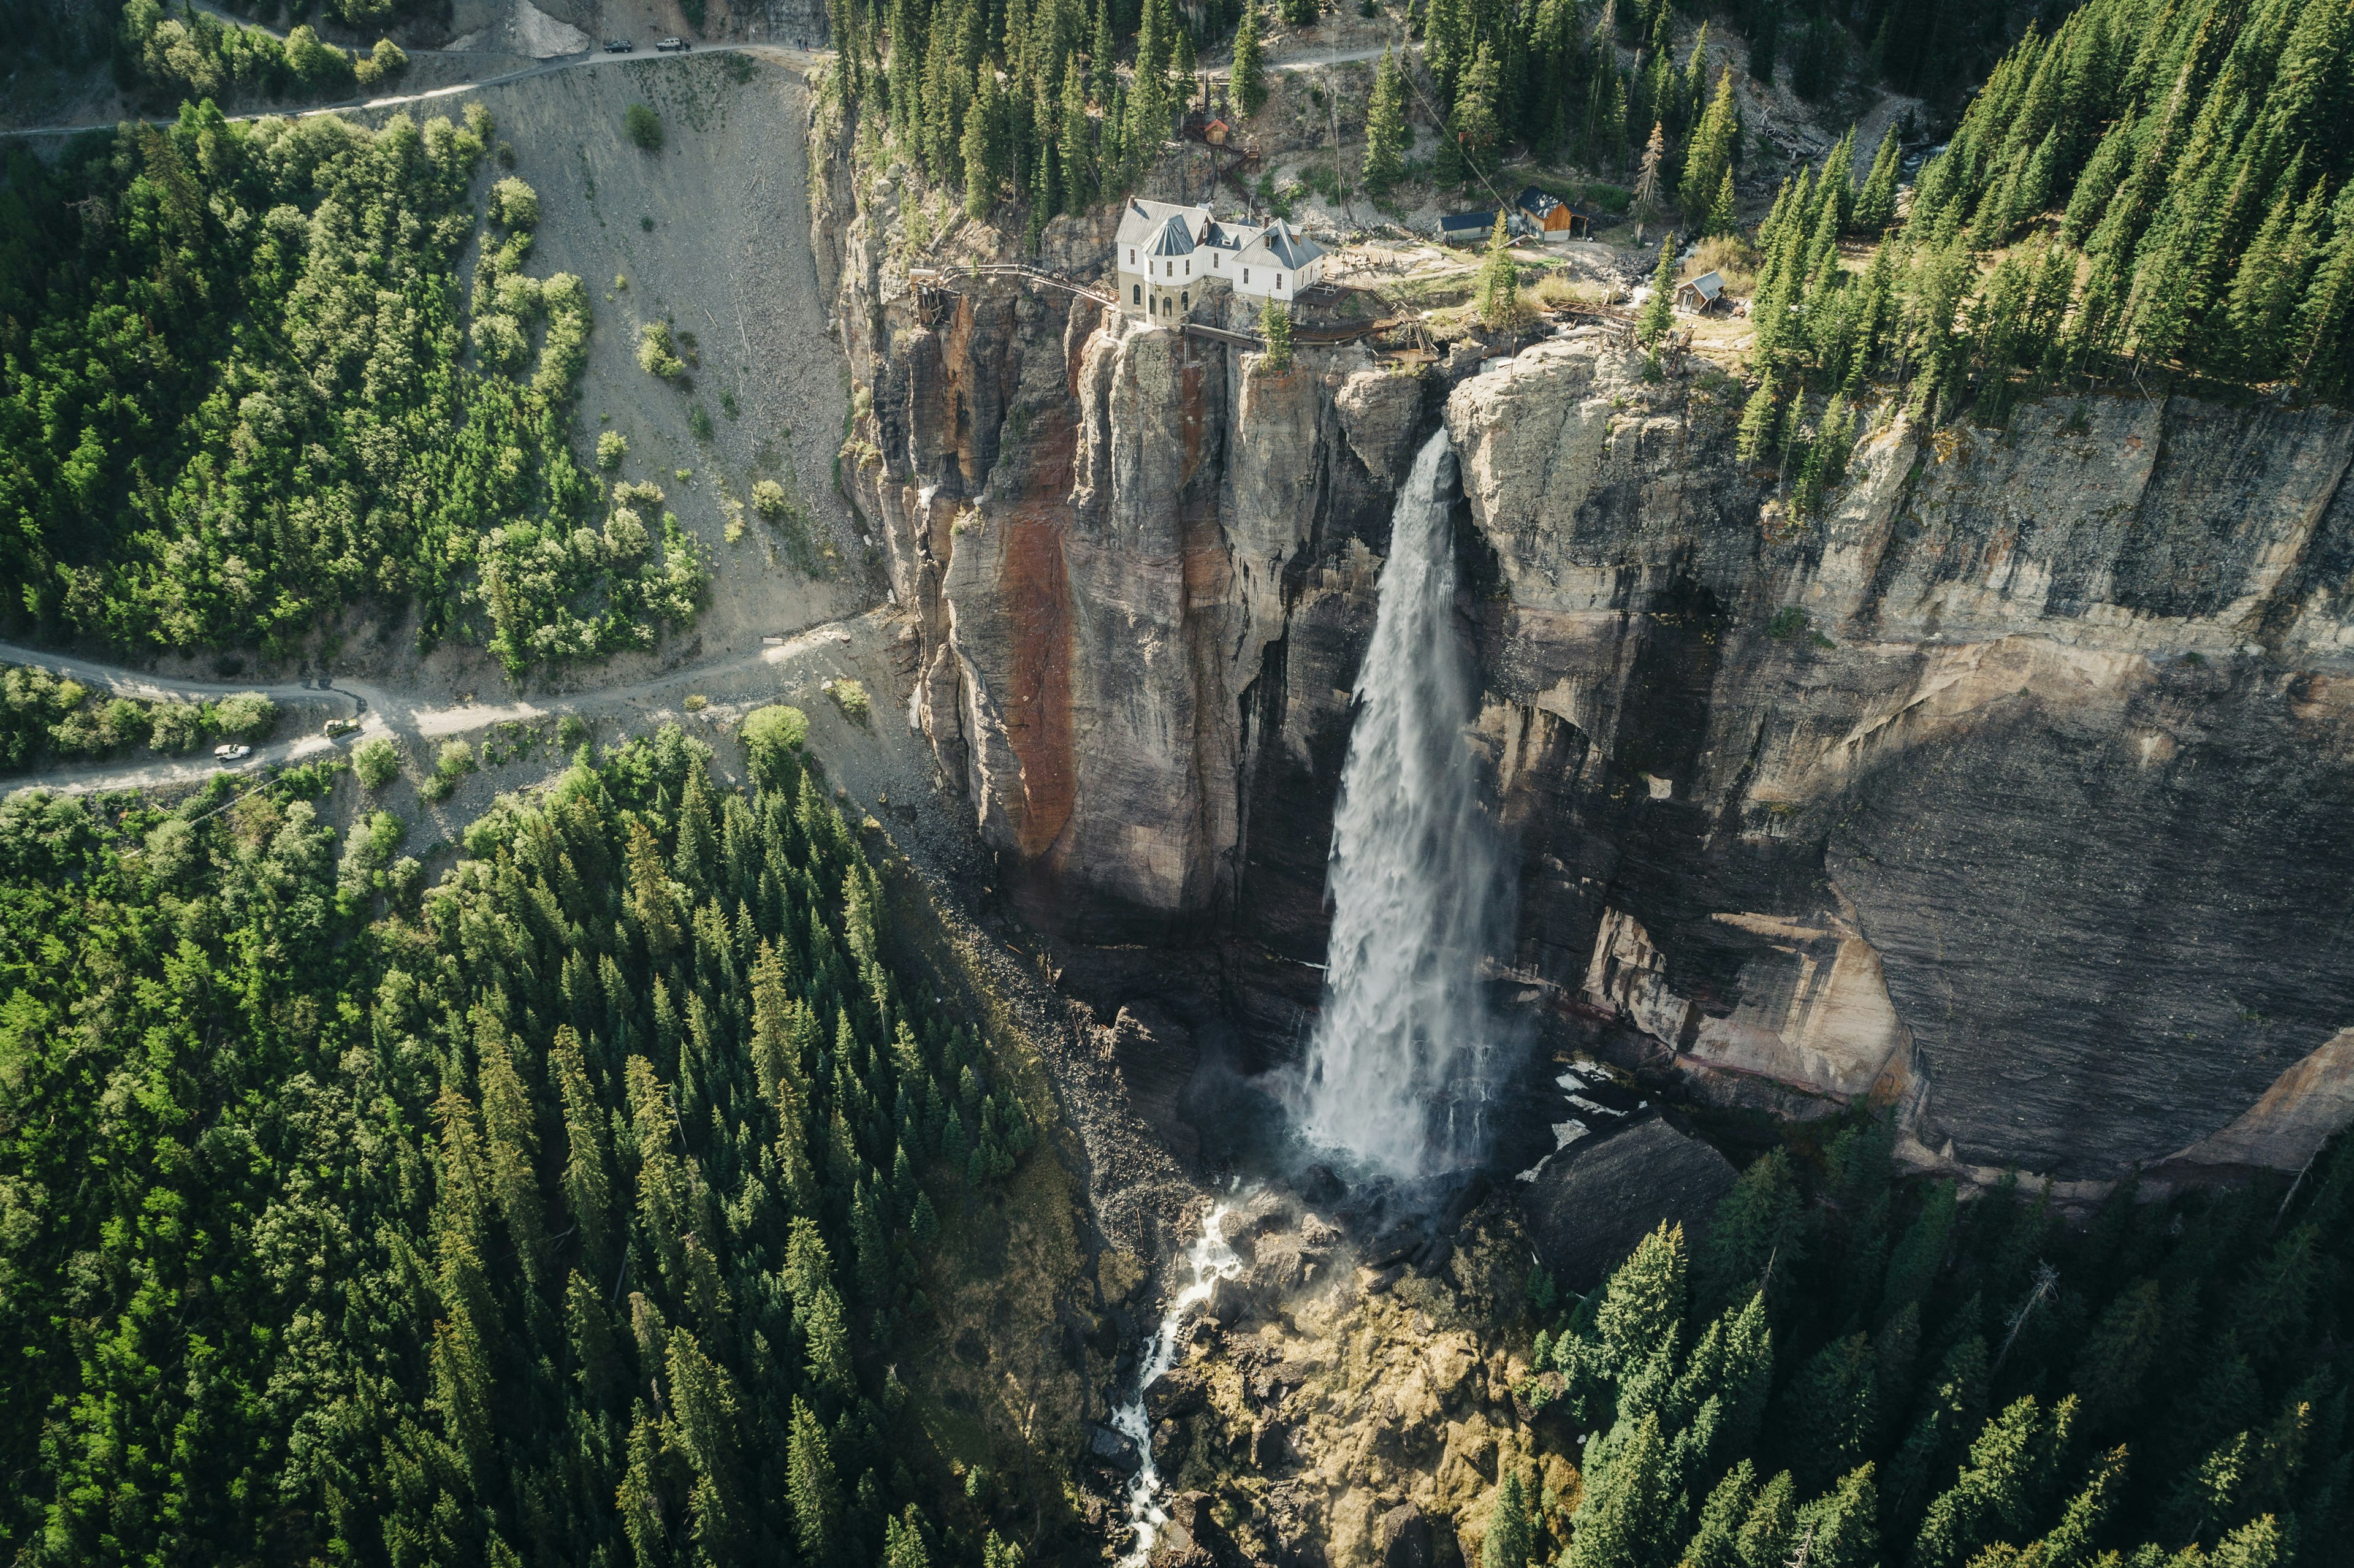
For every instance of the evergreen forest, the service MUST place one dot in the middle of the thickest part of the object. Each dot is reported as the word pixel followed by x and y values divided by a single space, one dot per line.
pixel 567 1211
pixel 1850 1371
pixel 242 388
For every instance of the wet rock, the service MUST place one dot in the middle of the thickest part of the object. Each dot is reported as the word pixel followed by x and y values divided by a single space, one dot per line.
pixel 1598 1198
pixel 1182 1391
pixel 1317 1187
pixel 1434 1255
pixel 1396 1245
pixel 1403 1538
pixel 1229 1303
pixel 1317 1235
pixel 1280 1268
pixel 1384 1278
pixel 1270 1448
pixel 1112 1448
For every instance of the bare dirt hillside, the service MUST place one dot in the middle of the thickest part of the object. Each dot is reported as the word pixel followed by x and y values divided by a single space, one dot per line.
pixel 710 233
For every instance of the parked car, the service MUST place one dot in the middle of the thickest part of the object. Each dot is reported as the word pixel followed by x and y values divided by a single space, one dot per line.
pixel 340 726
pixel 619 46
pixel 229 751
pixel 673 46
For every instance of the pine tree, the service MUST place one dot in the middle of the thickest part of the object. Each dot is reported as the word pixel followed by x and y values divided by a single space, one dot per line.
pixel 1707 159
pixel 811 1485
pixel 1641 1311
pixel 1469 151
pixel 1274 327
pixel 1826 1414
pixel 1659 311
pixel 1647 174
pixel 510 1143
pixel 1842 1529
pixel 980 151
pixel 1716 1543
pixel 1248 74
pixel 1500 281
pixel 1510 1539
pixel 1722 219
pixel 2324 352
pixel 588 1164
pixel 903 1542
pixel 1631 1513
pixel 1076 152
pixel 1771 1529
pixel 1386 126
pixel 1875 204
pixel 1761 1221
pixel 1720 1268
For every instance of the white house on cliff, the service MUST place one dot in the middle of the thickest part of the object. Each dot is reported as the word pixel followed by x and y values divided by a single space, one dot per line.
pixel 1171 257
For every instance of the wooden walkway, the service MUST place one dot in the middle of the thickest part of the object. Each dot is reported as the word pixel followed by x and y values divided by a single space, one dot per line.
pixel 945 280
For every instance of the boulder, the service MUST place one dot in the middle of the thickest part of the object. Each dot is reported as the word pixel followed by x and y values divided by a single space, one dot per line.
pixel 1403 1537
pixel 1317 1187
pixel 1380 413
pixel 1594 1200
pixel 1112 1450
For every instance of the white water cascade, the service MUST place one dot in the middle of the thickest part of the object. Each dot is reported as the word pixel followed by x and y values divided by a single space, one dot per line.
pixel 1399 1064
pixel 1210 1260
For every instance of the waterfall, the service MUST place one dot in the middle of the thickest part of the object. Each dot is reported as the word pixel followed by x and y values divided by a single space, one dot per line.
pixel 1400 1065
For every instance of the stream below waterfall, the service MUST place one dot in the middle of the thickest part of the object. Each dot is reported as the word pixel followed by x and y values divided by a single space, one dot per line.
pixel 1209 1259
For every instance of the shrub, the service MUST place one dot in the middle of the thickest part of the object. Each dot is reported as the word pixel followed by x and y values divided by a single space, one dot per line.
pixel 515 204
pixel 696 702
pixel 376 762
pixel 386 62
pixel 1789 621
pixel 657 355
pixel 772 739
pixel 249 716
pixel 769 498
pixel 698 419
pixel 455 761
pixel 849 696
pixel 645 126
pixel 611 448
pixel 571 731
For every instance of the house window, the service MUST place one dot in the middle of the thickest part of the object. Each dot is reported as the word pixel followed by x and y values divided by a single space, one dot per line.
pixel 1245 274
pixel 1279 282
pixel 1132 255
pixel 1213 260
pixel 1139 298
pixel 1189 266
pixel 1186 300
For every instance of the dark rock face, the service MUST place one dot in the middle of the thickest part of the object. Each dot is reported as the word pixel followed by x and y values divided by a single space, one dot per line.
pixel 1594 1200
pixel 1403 1537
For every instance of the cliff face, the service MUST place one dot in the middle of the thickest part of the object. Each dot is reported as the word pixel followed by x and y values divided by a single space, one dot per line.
pixel 2036 824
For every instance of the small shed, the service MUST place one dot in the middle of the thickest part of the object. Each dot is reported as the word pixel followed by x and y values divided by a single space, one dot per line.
pixel 1215 133
pixel 1466 227
pixel 1699 296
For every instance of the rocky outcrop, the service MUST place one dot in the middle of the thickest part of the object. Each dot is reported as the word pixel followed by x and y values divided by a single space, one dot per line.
pixel 1592 1203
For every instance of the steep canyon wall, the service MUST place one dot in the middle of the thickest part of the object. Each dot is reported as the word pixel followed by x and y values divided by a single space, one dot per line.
pixel 2035 825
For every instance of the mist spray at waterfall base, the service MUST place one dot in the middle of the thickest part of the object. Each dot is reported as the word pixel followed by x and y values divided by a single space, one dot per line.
pixel 1405 1056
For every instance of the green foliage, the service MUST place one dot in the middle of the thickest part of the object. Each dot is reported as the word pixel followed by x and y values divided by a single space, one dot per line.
pixel 2155 188
pixel 658 351
pixel 515 204
pixel 2163 1382
pixel 240 395
pixel 772 738
pixel 535 1203
pixel 1387 135
pixel 611 448
pixel 1247 76
pixel 1660 310
pixel 643 127
pixel 196 55
pixel 1274 327
pixel 851 697
pixel 376 762
pixel 1499 291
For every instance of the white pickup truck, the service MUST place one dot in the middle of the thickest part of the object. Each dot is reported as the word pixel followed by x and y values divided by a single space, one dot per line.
pixel 231 751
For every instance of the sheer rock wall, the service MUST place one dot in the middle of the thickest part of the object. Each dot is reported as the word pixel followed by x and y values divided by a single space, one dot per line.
pixel 2037 825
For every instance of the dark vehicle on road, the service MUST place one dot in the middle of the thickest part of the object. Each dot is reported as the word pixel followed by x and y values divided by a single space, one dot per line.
pixel 619 46
pixel 673 46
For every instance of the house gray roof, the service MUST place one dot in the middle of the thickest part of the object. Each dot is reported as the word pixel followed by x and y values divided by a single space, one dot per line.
pixel 1284 248
pixel 1459 222
pixel 1535 201
pixel 1140 222
pixel 1709 285
pixel 1174 238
